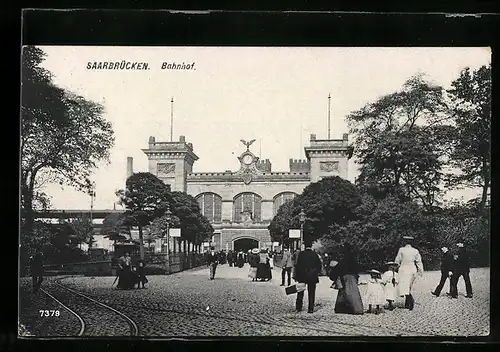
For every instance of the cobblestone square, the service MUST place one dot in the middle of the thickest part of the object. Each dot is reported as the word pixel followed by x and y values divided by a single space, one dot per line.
pixel 189 304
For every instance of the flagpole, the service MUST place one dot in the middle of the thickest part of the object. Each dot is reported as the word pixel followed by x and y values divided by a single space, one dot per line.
pixel 329 98
pixel 172 119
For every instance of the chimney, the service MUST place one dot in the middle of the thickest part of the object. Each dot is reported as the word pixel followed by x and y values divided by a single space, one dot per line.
pixel 130 166
pixel 182 139
pixel 313 137
pixel 345 136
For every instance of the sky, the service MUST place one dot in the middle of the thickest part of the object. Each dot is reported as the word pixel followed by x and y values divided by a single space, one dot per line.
pixel 278 96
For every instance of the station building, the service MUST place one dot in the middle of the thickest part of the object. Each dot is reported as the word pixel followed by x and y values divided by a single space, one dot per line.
pixel 240 204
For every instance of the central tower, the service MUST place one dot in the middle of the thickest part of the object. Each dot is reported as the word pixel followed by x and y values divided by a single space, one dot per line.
pixel 171 161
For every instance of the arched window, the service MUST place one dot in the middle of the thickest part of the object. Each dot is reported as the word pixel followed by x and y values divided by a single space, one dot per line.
pixel 281 199
pixel 211 206
pixel 247 205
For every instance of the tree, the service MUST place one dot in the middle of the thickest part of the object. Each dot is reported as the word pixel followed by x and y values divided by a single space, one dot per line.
pixel 63 135
pixel 325 203
pixel 280 224
pixel 186 215
pixel 195 228
pixel 145 198
pixel 115 227
pixel 400 142
pixel 377 229
pixel 83 230
pixel 471 102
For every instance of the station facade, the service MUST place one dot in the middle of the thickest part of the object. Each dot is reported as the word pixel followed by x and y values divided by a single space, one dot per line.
pixel 240 204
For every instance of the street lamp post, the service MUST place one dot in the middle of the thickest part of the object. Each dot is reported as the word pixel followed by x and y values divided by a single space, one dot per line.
pixel 302 220
pixel 168 215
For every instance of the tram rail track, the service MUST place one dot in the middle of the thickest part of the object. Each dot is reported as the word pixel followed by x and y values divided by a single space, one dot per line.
pixel 84 325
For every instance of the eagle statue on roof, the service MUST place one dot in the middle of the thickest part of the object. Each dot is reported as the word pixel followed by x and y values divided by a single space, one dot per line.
pixel 247 144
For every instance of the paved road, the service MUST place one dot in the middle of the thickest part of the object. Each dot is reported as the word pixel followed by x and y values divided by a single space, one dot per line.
pixel 189 304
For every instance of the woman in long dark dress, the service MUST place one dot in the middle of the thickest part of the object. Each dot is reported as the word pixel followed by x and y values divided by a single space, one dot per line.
pixel 346 274
pixel 126 278
pixel 263 267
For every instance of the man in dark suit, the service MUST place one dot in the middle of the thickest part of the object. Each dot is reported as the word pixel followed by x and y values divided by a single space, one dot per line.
pixel 446 270
pixel 308 269
pixel 36 266
pixel 462 268
pixel 213 260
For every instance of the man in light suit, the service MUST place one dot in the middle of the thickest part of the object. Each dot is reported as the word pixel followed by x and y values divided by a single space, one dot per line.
pixel 286 267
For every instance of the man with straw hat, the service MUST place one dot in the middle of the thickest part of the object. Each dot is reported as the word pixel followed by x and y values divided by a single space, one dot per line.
pixel 410 264
pixel 446 270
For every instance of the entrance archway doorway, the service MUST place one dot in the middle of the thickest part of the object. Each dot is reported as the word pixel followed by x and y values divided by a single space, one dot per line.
pixel 244 244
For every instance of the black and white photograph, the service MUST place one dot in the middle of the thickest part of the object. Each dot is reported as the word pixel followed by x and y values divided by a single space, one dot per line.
pixel 197 191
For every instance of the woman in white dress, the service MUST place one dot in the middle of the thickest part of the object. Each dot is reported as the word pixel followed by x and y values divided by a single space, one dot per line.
pixel 410 265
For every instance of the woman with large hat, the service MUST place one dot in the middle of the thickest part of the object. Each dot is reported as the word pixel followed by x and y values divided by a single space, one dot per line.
pixel 410 264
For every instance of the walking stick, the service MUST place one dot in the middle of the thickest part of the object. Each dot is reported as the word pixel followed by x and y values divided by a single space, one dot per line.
pixel 116 278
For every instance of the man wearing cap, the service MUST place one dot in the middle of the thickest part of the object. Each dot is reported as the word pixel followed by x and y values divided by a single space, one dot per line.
pixel 462 268
pixel 446 270
pixel 286 266
pixel 410 264
pixel 307 271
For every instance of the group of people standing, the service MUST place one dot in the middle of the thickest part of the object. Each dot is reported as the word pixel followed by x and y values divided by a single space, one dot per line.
pixel 382 290
pixel 261 265
pixel 130 274
pixel 260 261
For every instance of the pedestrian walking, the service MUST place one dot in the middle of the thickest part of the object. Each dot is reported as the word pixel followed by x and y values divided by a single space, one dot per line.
pixel 141 274
pixel 253 260
pixel 461 268
pixel 263 267
pixel 286 267
pixel 307 271
pixel 390 280
pixel 271 260
pixel 345 276
pixel 295 256
pixel 447 263
pixel 36 267
pixel 410 265
pixel 375 292
pixel 213 261
pixel 240 259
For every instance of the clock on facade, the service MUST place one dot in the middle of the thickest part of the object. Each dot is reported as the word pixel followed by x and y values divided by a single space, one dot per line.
pixel 247 159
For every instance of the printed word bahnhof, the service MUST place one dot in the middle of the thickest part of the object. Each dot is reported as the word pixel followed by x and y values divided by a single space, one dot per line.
pixel 241 204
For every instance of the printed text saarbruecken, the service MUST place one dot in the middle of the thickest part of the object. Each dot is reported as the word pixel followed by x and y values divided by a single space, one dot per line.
pixel 138 66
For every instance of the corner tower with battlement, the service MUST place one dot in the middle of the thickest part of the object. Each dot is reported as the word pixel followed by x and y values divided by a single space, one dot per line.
pixel 327 157
pixel 171 161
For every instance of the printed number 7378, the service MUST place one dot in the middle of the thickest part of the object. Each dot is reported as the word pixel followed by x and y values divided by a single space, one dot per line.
pixel 49 313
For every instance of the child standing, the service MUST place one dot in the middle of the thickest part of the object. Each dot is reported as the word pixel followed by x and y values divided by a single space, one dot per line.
pixel 374 292
pixel 390 281
pixel 141 275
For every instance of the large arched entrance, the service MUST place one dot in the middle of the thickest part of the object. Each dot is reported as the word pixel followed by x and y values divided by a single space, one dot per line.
pixel 244 244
